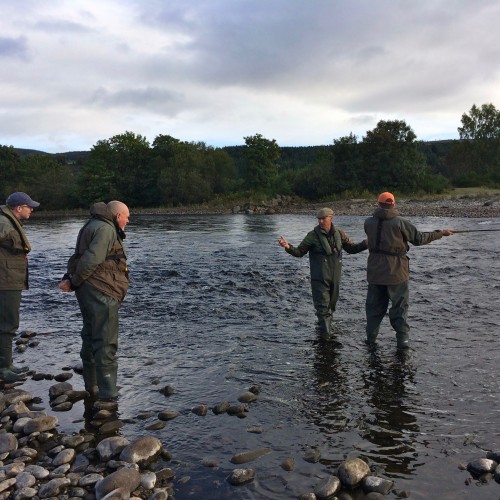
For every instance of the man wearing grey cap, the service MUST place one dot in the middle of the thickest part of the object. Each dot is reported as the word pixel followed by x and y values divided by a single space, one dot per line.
pixel 14 249
pixel 324 245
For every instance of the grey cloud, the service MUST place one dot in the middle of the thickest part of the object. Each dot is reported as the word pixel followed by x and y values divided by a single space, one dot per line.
pixel 149 98
pixel 14 47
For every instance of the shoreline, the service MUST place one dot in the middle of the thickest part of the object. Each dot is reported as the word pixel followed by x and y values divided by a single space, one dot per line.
pixel 466 206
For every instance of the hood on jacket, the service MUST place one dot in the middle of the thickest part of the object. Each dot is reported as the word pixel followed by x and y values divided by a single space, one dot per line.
pixel 385 213
pixel 101 209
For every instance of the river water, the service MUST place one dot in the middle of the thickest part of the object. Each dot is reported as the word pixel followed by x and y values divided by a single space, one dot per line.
pixel 216 306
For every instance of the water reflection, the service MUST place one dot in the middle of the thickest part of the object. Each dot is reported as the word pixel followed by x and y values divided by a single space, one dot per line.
pixel 392 425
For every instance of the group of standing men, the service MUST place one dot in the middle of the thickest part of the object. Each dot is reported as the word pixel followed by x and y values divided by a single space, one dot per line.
pixel 97 272
pixel 388 272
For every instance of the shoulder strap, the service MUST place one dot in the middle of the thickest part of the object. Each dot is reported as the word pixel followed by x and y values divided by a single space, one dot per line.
pixel 377 248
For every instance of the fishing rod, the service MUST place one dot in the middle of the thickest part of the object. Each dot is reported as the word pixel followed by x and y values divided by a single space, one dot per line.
pixel 474 230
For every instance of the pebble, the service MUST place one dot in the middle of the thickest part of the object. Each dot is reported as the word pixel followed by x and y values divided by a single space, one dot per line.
pixel 241 476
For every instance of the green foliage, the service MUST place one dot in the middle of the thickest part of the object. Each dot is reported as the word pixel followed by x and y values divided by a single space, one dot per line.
pixel 261 157
pixel 10 166
pixel 475 160
pixel 49 181
pixel 392 158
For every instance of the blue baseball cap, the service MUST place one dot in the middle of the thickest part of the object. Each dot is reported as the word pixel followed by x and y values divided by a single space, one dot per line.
pixel 19 198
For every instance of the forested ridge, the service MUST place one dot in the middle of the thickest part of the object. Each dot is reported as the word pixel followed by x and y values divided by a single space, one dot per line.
pixel 169 172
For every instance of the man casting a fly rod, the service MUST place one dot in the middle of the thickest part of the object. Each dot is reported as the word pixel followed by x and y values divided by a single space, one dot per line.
pixel 388 270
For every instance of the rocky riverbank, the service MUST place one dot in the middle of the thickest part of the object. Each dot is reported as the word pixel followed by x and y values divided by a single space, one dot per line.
pixel 444 206
pixel 40 460
pixel 453 205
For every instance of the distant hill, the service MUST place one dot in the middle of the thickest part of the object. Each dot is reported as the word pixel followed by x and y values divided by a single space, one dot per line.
pixel 70 157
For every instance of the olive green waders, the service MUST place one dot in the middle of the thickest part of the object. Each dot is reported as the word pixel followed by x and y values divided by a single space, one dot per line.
pixel 325 294
pixel 99 341
pixel 10 302
pixel 377 301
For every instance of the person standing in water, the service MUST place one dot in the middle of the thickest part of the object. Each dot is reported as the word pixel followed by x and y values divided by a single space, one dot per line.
pixel 324 244
pixel 388 269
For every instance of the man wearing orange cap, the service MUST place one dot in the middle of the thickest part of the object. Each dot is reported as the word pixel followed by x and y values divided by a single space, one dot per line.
pixel 324 245
pixel 388 270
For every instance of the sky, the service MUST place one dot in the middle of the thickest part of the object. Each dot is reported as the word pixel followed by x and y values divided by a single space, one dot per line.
pixel 302 72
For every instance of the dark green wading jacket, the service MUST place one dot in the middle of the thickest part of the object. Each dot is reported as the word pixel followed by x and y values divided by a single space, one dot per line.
pixel 388 263
pixel 100 259
pixel 325 252
pixel 14 249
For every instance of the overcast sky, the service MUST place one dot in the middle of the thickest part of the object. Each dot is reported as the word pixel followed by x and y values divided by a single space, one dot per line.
pixel 302 72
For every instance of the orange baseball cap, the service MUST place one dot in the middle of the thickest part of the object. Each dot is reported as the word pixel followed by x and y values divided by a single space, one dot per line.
pixel 387 198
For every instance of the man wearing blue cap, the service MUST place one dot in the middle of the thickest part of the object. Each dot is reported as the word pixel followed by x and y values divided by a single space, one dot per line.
pixel 14 249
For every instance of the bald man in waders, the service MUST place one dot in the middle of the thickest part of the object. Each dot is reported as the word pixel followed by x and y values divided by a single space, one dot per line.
pixel 388 269
pixel 324 244
pixel 98 274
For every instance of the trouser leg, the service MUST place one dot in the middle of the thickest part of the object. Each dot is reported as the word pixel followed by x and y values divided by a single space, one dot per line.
pixel 99 340
pixel 10 302
pixel 398 313
pixel 322 300
pixel 377 301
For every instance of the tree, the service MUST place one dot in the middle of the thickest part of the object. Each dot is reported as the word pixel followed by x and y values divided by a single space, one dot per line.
pixel 261 161
pixel 347 163
pixel 10 169
pixel 119 168
pixel 481 124
pixel 392 158
pixel 51 183
pixel 475 160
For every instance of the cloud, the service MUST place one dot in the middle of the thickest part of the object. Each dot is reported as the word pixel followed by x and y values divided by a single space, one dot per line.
pixel 16 48
pixel 220 70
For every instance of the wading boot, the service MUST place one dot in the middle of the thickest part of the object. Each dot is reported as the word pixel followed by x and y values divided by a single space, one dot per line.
pixel 403 340
pixel 324 323
pixel 106 380
pixel 19 369
pixel 6 374
pixel 89 379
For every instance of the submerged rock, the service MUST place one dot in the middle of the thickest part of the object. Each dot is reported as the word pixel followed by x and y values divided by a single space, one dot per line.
pixel 481 465
pixel 249 456
pixel 312 456
pixel 377 485
pixel 288 464
pixel 241 476
pixel 221 407
pixel 247 397
pixel 200 410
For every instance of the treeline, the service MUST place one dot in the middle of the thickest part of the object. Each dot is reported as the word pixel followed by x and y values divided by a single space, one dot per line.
pixel 171 172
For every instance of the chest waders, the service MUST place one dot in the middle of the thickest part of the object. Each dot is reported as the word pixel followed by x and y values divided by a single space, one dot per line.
pixel 10 305
pixel 326 267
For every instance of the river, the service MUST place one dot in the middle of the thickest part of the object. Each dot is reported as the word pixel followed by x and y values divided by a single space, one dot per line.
pixel 216 306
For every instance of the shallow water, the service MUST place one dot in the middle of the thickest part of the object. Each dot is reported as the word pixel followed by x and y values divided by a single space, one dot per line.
pixel 215 306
